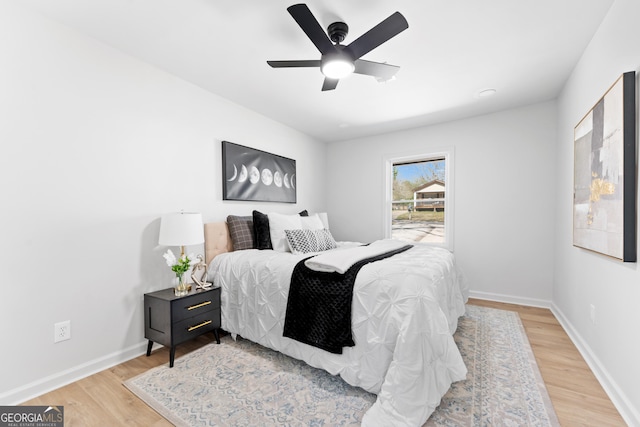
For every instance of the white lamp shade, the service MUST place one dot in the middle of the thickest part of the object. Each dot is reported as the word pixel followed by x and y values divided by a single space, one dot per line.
pixel 181 229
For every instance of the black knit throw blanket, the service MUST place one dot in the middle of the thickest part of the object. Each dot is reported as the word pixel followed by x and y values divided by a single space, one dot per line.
pixel 319 305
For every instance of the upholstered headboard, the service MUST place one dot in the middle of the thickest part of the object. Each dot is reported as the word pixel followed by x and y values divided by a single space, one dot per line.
pixel 216 240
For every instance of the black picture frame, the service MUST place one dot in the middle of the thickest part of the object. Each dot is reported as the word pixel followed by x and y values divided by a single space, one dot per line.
pixel 250 174
pixel 605 187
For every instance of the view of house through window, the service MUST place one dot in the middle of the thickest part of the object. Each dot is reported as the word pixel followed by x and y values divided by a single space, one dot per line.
pixel 418 202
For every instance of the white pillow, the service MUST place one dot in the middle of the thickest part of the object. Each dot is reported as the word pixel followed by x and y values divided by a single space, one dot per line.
pixel 324 218
pixel 277 224
pixel 311 222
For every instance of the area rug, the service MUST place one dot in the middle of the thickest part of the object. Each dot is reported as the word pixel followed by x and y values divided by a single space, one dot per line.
pixel 239 383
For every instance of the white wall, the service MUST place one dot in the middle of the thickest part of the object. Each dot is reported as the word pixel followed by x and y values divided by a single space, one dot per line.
pixel 504 181
pixel 583 278
pixel 95 147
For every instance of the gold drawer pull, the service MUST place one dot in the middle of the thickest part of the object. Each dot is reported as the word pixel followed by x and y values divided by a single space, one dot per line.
pixel 193 307
pixel 193 328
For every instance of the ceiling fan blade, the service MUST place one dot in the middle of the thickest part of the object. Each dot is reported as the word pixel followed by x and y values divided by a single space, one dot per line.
pixel 376 69
pixel 287 64
pixel 390 27
pixel 311 27
pixel 329 84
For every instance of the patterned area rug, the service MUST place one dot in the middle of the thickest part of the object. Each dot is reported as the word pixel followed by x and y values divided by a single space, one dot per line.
pixel 239 383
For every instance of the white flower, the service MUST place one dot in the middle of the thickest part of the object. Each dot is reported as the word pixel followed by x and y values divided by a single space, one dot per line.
pixel 170 257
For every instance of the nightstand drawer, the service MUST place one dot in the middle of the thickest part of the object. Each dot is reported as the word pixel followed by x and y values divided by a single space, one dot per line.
pixel 195 304
pixel 194 326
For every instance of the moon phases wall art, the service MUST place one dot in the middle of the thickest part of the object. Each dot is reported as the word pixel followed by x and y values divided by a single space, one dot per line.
pixel 255 175
pixel 604 194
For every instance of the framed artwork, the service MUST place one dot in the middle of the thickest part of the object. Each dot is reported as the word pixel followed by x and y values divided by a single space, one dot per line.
pixel 250 174
pixel 604 193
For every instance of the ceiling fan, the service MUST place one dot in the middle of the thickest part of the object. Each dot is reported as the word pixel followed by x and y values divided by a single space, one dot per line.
pixel 338 61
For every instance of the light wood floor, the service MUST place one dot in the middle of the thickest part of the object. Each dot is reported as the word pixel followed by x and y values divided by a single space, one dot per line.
pixel 578 398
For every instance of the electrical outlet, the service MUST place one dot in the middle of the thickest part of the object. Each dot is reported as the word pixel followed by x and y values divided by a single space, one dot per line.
pixel 592 313
pixel 62 331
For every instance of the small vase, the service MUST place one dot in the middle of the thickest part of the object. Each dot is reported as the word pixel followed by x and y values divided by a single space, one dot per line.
pixel 181 288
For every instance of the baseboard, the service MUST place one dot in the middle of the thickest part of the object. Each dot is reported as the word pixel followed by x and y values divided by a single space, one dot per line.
pixel 60 379
pixel 510 299
pixel 622 402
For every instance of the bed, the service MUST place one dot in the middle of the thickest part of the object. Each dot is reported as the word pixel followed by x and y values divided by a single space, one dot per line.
pixel 405 309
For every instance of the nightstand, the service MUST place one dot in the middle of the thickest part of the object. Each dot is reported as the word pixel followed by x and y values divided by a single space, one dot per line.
pixel 170 320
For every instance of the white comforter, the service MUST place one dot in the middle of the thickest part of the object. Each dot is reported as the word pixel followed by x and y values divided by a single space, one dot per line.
pixel 405 310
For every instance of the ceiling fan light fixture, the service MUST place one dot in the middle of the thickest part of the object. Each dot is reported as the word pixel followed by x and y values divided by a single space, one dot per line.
pixel 337 68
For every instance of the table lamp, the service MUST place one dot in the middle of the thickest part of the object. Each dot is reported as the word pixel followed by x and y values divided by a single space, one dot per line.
pixel 181 229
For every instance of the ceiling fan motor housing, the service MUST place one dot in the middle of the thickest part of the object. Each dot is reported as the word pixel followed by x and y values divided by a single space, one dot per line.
pixel 340 62
pixel 338 31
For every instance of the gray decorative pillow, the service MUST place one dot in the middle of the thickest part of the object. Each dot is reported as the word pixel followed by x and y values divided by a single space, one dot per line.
pixel 305 241
pixel 241 231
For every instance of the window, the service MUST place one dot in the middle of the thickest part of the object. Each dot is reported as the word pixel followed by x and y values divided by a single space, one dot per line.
pixel 419 199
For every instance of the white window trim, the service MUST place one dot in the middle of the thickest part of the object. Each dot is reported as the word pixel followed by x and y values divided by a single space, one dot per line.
pixel 389 160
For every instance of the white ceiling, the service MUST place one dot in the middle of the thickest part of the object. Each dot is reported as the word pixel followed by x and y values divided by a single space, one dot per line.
pixel 525 49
